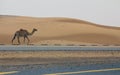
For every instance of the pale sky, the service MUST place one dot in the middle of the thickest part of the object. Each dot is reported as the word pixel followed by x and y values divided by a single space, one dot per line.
pixel 106 12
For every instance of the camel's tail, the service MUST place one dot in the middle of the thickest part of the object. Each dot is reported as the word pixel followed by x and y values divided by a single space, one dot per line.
pixel 13 38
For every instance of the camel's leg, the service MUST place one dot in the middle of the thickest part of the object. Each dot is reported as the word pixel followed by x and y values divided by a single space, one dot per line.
pixel 18 40
pixel 28 39
pixel 13 38
pixel 24 39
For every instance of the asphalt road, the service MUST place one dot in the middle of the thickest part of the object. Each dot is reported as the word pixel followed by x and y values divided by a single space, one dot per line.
pixel 101 69
pixel 98 69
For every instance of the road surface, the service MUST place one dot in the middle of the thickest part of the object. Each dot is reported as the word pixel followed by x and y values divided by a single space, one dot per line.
pixel 98 69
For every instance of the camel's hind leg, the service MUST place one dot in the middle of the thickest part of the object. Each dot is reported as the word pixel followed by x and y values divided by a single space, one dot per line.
pixel 18 40
pixel 13 38
pixel 28 39
pixel 24 39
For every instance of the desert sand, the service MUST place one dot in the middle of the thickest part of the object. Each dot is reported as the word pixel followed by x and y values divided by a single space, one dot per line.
pixel 58 30
pixel 58 57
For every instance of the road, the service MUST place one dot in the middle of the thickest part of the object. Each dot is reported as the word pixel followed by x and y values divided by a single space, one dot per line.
pixel 37 47
pixel 98 69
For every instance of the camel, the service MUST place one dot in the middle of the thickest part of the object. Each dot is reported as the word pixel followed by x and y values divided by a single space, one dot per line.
pixel 23 33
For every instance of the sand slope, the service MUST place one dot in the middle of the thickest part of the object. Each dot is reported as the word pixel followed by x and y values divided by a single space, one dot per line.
pixel 58 30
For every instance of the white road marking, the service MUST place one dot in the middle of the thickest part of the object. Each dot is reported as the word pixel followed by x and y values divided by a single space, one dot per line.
pixel 11 72
pixel 88 71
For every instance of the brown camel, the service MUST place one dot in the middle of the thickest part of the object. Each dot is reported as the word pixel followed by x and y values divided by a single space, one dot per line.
pixel 23 33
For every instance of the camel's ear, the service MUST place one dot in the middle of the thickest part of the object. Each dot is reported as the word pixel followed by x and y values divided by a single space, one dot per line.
pixel 21 29
pixel 35 29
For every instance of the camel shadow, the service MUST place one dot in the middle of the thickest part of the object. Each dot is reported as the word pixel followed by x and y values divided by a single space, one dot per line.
pixel 22 44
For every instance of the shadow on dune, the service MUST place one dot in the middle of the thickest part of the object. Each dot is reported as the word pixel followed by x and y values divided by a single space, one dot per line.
pixel 69 20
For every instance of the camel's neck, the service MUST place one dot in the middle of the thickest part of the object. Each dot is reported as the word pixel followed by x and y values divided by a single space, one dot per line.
pixel 32 32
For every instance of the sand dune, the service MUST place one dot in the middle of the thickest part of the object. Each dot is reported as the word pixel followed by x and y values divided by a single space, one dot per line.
pixel 66 30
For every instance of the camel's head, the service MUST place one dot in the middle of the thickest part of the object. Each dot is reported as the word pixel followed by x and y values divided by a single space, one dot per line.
pixel 34 29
